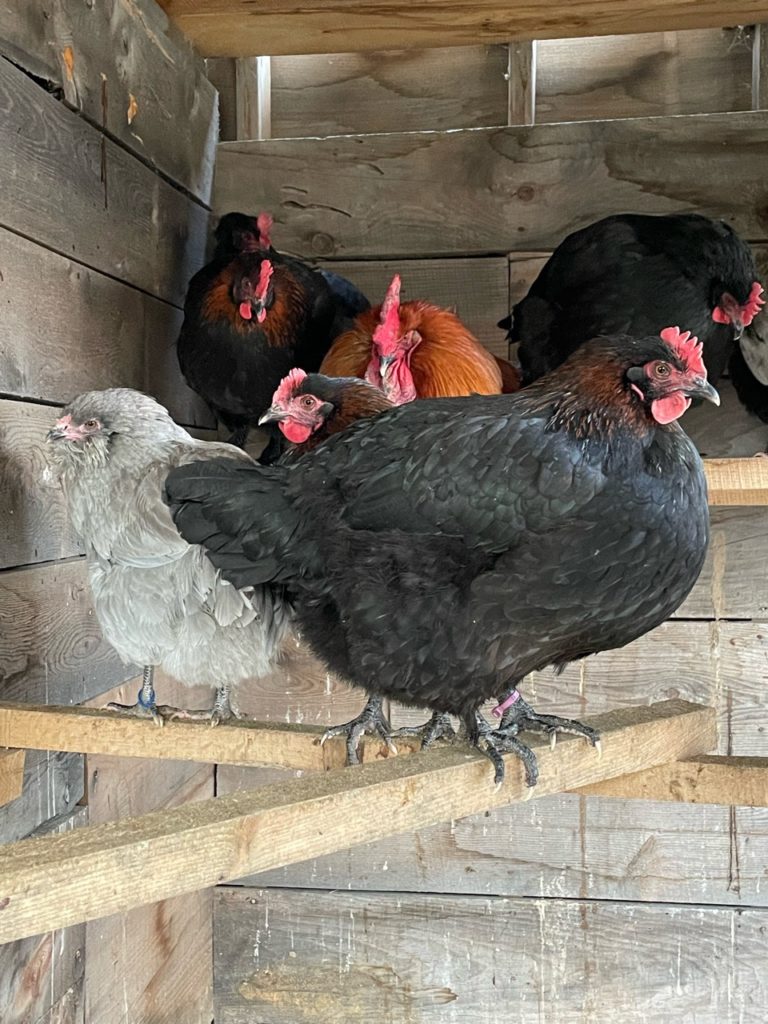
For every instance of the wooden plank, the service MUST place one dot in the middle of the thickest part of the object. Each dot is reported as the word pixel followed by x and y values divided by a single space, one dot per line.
pixel 500 189
pixel 759 68
pixel 221 72
pixel 174 935
pixel 476 288
pixel 42 977
pixel 418 90
pixel 707 779
pixel 73 190
pixel 283 957
pixel 522 82
pixel 647 75
pixel 11 774
pixel 253 96
pixel 737 481
pixel 51 647
pixel 109 868
pixel 53 785
pixel 232 28
pixel 130 72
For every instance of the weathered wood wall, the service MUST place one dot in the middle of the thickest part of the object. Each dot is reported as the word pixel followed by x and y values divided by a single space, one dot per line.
pixel 107 131
pixel 568 908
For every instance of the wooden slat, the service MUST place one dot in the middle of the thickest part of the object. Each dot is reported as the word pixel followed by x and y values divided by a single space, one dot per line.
pixel 646 75
pixel 707 779
pixel 737 481
pixel 253 96
pixel 127 70
pixel 112 335
pixel 233 28
pixel 760 68
pixel 476 288
pixel 173 935
pixel 284 957
pixel 522 82
pixel 42 977
pixel 54 783
pixel 71 189
pixel 11 774
pixel 105 869
pixel 51 647
pixel 414 90
pixel 500 189
pixel 221 72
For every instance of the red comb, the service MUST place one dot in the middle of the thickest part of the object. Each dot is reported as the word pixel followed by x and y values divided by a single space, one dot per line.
pixel 264 223
pixel 288 386
pixel 752 306
pixel 265 273
pixel 389 317
pixel 687 347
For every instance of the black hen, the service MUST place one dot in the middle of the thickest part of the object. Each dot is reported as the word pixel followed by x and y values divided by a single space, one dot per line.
pixel 635 274
pixel 250 316
pixel 440 552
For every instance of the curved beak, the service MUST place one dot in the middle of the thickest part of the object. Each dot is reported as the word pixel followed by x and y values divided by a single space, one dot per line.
pixel 738 327
pixel 55 434
pixel 273 415
pixel 701 388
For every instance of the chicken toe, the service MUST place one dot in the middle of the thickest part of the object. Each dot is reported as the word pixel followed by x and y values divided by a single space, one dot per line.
pixel 438 727
pixel 370 720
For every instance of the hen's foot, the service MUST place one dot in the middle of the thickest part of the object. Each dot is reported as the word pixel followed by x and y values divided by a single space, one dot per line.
pixel 221 712
pixel 438 727
pixel 494 743
pixel 519 716
pixel 370 720
pixel 145 706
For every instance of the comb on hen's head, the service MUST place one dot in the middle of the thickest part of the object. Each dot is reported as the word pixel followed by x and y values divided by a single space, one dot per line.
pixel 687 347
pixel 264 223
pixel 265 275
pixel 288 386
pixel 388 330
pixel 754 304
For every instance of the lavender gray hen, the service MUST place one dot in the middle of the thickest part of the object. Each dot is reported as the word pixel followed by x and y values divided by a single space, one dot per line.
pixel 440 552
pixel 158 599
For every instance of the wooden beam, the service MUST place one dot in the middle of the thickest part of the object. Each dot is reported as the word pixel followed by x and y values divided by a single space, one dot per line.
pixel 707 779
pixel 240 28
pixel 55 881
pixel 95 731
pixel 737 481
pixel 521 83
pixel 11 774
pixel 253 98
pixel 760 67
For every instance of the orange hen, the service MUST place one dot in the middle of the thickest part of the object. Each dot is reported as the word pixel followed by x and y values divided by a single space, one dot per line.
pixel 414 349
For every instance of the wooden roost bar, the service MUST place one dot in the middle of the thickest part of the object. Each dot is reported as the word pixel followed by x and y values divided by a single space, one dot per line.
pixel 457 143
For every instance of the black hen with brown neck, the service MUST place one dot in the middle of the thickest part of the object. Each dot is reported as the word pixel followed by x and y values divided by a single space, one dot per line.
pixel 441 551
pixel 250 316
pixel 634 274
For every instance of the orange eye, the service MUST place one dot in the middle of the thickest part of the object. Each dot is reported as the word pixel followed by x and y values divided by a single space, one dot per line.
pixel 307 402
pixel 91 424
pixel 662 369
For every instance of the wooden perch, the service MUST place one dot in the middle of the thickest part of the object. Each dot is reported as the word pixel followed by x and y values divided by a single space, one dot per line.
pixel 707 779
pixel 54 881
pixel 737 481
pixel 240 28
pixel 11 774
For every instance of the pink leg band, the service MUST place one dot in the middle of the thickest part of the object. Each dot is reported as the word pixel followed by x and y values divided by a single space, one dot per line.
pixel 513 698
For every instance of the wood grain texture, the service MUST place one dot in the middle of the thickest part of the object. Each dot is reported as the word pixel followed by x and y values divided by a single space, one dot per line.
pixel 54 783
pixel 51 647
pixel 737 481
pixel 522 74
pixel 644 75
pixel 42 977
pixel 233 28
pixel 221 72
pixel 500 189
pixel 11 775
pixel 707 779
pixel 110 868
pixel 288 957
pixel 71 189
pixel 127 70
pixel 151 965
pixel 476 288
pixel 253 98
pixel 397 90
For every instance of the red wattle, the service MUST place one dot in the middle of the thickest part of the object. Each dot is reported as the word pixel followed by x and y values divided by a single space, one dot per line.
pixel 295 432
pixel 665 410
pixel 245 310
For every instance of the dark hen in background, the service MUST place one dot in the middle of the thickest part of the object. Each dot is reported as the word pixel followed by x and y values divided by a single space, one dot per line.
pixel 635 274
pixel 250 316
pixel 443 550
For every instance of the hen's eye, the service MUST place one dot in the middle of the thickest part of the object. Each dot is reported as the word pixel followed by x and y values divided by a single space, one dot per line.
pixel 307 402
pixel 91 424
pixel 662 369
